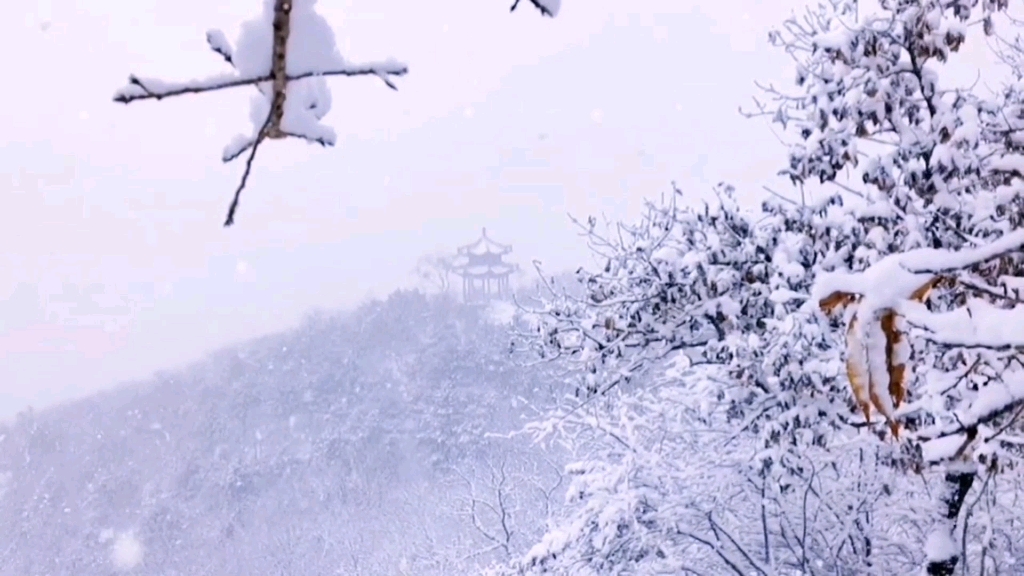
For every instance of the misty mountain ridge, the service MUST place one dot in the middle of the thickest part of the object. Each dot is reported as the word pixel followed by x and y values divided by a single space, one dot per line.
pixel 307 452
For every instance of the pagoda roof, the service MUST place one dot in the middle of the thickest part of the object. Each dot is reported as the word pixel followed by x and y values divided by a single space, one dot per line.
pixel 484 245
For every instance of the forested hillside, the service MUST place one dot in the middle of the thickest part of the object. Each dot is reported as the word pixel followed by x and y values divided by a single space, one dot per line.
pixel 356 444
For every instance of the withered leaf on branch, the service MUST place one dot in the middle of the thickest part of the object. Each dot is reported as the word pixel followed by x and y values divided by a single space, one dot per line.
pixel 837 300
pixel 864 369
pixel 857 369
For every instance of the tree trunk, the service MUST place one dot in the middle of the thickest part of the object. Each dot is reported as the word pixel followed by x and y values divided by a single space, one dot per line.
pixel 942 560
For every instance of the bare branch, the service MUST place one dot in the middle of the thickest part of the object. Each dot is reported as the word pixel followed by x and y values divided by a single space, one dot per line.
pixel 245 175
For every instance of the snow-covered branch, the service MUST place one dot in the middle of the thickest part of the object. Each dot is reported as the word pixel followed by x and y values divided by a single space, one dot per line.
pixel 546 7
pixel 931 261
pixel 286 53
pixel 152 88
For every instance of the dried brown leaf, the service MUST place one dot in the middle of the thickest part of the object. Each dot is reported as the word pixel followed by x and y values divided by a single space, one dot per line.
pixel 857 370
pixel 837 300
pixel 922 293
pixel 897 370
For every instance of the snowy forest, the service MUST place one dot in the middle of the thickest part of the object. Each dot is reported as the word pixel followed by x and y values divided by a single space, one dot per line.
pixel 829 381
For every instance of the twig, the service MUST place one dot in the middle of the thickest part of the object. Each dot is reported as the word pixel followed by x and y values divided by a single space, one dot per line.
pixel 989 290
pixel 1007 426
pixel 248 168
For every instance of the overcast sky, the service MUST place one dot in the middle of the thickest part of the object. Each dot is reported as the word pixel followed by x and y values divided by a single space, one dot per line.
pixel 114 261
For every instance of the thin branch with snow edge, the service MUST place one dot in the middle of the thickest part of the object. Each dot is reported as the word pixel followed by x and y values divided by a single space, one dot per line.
pixel 155 89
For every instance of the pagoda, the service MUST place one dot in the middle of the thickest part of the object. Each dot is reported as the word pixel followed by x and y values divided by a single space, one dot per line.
pixel 483 269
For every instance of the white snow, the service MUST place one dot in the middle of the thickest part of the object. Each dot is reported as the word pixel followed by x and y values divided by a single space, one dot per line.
pixel 885 284
pixel 138 87
pixel 126 552
pixel 932 260
pixel 1008 163
pixel 238 144
pixel 668 254
pixel 977 324
pixel 940 545
pixel 218 42
pixel 941 449
pixel 996 397
pixel 838 39
pixel 552 6
pixel 501 312
pixel 891 280
pixel 311 50
pixel 888 285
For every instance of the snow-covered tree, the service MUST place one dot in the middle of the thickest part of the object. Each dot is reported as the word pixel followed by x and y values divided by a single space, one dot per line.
pixel 718 290
pixel 969 388
pixel 435 270
pixel 877 112
pixel 915 245
pixel 717 425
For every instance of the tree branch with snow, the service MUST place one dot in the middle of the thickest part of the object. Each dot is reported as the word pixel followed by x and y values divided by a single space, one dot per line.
pixel 958 425
pixel 546 7
pixel 285 53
